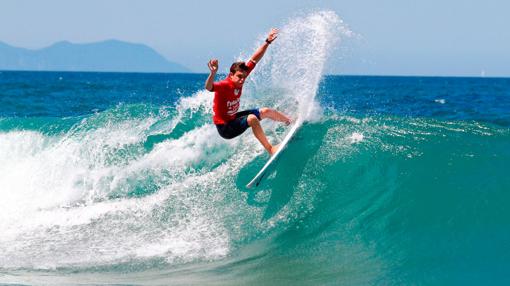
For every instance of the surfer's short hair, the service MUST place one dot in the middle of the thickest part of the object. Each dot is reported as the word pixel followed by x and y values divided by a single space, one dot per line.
pixel 238 66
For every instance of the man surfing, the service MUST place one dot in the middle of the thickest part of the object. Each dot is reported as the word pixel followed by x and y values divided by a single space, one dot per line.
pixel 227 94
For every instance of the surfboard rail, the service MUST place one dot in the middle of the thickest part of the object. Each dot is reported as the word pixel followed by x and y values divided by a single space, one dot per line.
pixel 273 159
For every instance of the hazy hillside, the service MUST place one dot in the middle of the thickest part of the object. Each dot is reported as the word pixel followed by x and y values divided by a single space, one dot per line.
pixel 110 55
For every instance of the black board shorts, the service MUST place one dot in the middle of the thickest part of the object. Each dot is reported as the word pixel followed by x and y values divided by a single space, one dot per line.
pixel 237 126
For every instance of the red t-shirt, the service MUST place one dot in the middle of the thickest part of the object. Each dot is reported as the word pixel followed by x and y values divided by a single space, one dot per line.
pixel 226 98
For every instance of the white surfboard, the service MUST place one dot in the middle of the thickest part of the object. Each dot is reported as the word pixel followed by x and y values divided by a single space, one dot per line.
pixel 266 169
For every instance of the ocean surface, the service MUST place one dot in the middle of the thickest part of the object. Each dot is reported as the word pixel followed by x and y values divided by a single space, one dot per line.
pixel 121 178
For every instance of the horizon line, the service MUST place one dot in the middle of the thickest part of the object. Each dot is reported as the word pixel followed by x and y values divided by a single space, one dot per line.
pixel 204 73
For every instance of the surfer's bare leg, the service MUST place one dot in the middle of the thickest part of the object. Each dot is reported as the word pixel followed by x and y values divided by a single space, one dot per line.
pixel 254 123
pixel 274 115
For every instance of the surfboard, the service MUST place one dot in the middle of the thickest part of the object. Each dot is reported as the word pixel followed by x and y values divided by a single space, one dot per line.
pixel 274 158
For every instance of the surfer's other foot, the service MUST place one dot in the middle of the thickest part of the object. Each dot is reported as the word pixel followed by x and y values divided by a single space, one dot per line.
pixel 274 149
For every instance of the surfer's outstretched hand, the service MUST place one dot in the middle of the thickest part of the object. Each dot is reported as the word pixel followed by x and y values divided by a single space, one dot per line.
pixel 273 34
pixel 213 65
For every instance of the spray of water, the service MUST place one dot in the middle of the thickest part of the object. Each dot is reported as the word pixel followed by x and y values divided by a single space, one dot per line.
pixel 294 65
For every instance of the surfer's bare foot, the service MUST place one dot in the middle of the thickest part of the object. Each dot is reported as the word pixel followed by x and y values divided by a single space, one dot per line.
pixel 286 120
pixel 274 149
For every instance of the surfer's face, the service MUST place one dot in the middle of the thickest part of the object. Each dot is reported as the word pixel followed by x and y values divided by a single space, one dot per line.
pixel 238 78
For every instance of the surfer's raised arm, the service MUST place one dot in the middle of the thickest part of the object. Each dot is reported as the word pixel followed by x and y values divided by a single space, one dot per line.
pixel 213 68
pixel 259 53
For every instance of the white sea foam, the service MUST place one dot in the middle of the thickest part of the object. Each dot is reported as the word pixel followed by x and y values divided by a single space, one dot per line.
pixel 356 137
pixel 57 190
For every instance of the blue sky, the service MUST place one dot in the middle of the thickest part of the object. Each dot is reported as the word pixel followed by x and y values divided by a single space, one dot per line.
pixel 464 38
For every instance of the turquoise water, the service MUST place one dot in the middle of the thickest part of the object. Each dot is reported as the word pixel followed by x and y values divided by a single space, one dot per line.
pixel 112 178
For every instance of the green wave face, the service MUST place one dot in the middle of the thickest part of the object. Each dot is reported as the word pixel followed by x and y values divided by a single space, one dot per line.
pixel 151 187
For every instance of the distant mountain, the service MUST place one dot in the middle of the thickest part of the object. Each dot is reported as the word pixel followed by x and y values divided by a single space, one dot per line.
pixel 110 55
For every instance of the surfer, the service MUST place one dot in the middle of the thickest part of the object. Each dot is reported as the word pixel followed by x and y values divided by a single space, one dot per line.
pixel 227 93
